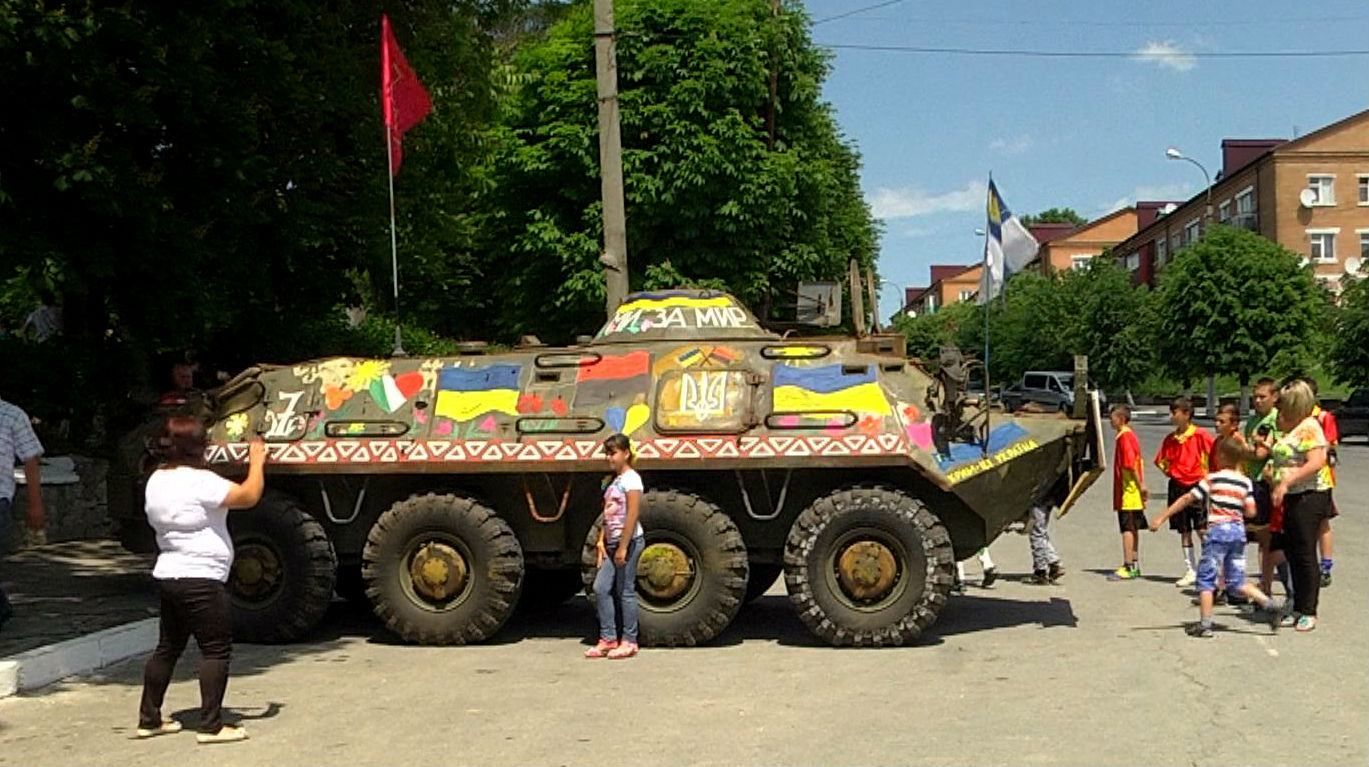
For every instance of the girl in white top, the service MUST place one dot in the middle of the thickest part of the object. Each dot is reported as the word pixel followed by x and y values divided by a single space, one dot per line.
pixel 187 507
pixel 615 585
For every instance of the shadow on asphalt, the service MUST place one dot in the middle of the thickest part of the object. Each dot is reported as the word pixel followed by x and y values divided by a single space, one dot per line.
pixel 1105 572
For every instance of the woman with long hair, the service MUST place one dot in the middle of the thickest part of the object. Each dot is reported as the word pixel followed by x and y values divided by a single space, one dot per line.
pixel 1302 488
pixel 187 506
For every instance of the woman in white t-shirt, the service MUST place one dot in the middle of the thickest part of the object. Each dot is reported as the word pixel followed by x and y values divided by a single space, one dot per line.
pixel 615 585
pixel 187 506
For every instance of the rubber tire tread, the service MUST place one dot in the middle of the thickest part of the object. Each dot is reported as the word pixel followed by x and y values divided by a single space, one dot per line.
pixel 724 588
pixel 498 568
pixel 829 510
pixel 310 571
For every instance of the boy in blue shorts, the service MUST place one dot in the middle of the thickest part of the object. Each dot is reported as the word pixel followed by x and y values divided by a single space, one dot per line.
pixel 1229 498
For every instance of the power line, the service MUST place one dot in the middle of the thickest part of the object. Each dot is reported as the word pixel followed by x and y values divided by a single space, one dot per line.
pixel 1051 22
pixel 849 14
pixel 1024 53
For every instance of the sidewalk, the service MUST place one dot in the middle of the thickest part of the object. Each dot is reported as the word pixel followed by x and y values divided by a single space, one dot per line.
pixel 67 590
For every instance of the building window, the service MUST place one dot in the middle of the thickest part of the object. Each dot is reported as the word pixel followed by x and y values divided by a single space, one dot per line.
pixel 1364 189
pixel 1363 247
pixel 1176 243
pixel 1224 211
pixel 1323 190
pixel 1245 201
pixel 1080 262
pixel 1192 231
pixel 1322 245
pixel 966 294
pixel 1133 262
pixel 1161 252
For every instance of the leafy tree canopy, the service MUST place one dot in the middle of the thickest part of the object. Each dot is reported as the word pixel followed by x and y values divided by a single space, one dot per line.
pixel 706 193
pixel 1232 303
pixel 1349 352
pixel 1055 216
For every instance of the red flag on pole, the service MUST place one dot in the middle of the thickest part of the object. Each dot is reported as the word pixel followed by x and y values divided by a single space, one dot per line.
pixel 403 100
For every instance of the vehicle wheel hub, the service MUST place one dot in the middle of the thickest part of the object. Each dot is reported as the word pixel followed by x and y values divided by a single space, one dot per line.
pixel 867 570
pixel 256 571
pixel 438 571
pixel 664 571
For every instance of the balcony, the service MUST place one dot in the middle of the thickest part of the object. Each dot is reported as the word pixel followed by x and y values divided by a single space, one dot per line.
pixel 1248 221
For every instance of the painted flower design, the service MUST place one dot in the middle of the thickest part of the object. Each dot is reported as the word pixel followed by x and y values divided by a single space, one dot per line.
pixel 236 426
pixel 366 372
pixel 870 426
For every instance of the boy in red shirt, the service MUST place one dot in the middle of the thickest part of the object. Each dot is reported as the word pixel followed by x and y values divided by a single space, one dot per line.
pixel 1183 458
pixel 1129 494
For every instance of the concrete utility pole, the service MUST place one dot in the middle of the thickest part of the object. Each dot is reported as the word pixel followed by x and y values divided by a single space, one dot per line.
pixel 614 257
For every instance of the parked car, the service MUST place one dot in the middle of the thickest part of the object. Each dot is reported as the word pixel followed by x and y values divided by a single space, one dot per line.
pixel 1051 389
pixel 1353 416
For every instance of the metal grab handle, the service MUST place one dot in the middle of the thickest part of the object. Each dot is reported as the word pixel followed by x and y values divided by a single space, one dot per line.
pixel 746 497
pixel 532 505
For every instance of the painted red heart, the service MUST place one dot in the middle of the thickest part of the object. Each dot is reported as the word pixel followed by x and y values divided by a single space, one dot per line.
pixel 409 384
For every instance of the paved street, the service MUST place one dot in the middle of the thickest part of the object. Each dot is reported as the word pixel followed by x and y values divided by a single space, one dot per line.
pixel 1087 672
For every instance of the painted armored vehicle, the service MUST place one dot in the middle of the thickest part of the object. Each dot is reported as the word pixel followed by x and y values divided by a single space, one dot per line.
pixel 445 490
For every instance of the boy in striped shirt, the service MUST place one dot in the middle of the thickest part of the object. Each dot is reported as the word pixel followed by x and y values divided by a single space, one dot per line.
pixel 1229 498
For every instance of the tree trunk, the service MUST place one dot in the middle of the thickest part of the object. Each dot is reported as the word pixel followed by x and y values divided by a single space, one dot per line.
pixel 1245 393
pixel 1211 395
pixel 1131 401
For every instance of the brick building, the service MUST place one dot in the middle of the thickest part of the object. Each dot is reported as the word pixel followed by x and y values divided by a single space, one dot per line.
pixel 1310 195
pixel 1065 246
pixel 950 284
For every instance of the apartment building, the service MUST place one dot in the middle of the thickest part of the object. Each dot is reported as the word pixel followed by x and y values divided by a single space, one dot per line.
pixel 1310 195
pixel 1065 246
pixel 950 284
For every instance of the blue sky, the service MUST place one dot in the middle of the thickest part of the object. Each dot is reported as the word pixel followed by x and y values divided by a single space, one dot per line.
pixel 1084 133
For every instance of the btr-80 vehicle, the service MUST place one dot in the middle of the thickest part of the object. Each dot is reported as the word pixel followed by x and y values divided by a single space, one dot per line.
pixel 448 488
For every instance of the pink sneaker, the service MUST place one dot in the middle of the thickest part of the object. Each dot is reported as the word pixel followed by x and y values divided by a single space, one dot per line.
pixel 604 649
pixel 623 651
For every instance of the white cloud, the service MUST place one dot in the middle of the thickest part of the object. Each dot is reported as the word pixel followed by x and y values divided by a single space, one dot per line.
pixel 908 202
pixel 1167 54
pixel 1150 192
pixel 1016 145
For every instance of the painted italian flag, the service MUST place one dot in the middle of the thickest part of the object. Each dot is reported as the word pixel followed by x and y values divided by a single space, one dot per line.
pixel 391 392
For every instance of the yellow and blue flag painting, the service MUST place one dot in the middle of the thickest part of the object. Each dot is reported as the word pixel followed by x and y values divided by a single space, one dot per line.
pixel 828 389
pixel 464 393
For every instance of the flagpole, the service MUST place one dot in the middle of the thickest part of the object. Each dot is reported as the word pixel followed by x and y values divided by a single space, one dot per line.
pixel 394 242
pixel 988 305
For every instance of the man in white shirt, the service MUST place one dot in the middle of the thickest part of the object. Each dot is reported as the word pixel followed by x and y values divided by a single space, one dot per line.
pixel 18 444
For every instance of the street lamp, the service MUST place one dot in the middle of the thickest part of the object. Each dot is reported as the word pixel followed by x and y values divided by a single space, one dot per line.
pixel 1173 153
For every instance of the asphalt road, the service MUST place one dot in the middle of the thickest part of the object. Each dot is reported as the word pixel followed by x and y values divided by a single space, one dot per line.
pixel 1083 673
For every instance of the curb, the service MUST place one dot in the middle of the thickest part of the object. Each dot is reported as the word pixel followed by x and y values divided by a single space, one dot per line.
pixel 44 665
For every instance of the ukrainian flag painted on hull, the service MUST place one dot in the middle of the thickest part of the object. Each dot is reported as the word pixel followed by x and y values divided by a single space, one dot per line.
pixel 827 389
pixel 464 393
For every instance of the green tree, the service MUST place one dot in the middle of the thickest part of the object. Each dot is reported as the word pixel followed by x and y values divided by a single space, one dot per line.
pixel 956 324
pixel 1231 303
pixel 705 189
pixel 1115 326
pixel 1349 347
pixel 1055 216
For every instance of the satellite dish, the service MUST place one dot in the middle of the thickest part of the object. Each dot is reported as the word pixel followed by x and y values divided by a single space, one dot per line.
pixel 1168 209
pixel 1307 198
pixel 1353 265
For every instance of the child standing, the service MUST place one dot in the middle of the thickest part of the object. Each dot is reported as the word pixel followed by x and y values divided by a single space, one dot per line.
pixel 615 585
pixel 1229 498
pixel 1260 431
pixel 1129 494
pixel 1183 458
pixel 1331 429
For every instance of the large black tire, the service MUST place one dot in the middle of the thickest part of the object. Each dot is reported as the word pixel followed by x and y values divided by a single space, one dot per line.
pixel 470 607
pixel 283 574
pixel 717 572
pixel 843 524
pixel 762 577
pixel 543 589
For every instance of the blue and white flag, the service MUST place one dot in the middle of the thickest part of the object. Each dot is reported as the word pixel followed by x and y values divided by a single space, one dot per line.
pixel 1008 246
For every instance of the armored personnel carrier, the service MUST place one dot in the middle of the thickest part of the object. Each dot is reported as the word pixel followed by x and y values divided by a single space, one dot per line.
pixel 446 489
